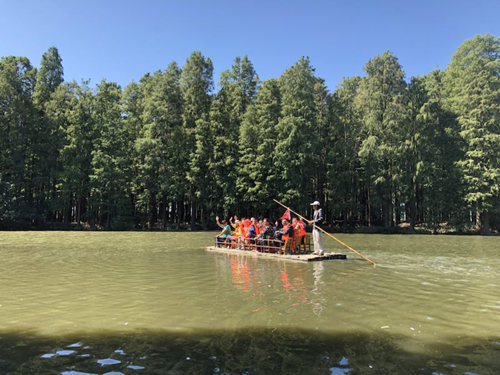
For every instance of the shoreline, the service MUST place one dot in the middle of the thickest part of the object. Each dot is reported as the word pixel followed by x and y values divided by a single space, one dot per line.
pixel 361 230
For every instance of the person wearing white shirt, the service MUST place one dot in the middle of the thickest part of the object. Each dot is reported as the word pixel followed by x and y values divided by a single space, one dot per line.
pixel 317 235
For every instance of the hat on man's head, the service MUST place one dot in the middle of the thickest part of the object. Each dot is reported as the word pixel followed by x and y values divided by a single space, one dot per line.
pixel 315 203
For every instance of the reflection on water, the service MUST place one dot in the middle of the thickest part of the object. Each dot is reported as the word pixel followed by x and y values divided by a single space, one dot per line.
pixel 157 302
pixel 319 300
pixel 249 275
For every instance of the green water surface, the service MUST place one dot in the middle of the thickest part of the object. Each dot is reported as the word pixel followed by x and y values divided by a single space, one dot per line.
pixel 158 303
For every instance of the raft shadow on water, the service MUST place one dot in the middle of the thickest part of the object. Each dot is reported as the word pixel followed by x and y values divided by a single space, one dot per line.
pixel 248 351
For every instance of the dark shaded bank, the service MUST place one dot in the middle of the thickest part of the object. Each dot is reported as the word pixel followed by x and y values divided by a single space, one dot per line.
pixel 249 351
pixel 211 226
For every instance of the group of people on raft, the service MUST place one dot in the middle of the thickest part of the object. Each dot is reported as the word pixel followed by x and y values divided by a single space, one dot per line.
pixel 245 232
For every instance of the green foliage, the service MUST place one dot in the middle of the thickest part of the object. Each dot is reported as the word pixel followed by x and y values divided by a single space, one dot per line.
pixel 297 149
pixel 76 153
pixel 17 138
pixel 432 151
pixel 382 103
pixel 109 177
pixel 196 86
pixel 344 140
pixel 47 141
pixel 258 174
pixel 158 143
pixel 168 151
pixel 473 89
pixel 237 92
pixel 49 77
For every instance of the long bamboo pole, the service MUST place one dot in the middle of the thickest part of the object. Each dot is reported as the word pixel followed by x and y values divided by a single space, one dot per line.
pixel 328 234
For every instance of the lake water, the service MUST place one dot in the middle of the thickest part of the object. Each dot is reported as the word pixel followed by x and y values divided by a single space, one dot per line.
pixel 155 303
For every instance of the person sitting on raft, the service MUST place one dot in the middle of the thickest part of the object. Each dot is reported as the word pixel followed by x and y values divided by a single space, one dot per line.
pixel 299 229
pixel 253 229
pixel 233 224
pixel 260 225
pixel 236 238
pixel 285 232
pixel 266 235
pixel 225 234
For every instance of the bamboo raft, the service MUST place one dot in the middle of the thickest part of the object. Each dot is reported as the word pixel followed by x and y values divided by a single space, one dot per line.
pixel 269 255
pixel 296 249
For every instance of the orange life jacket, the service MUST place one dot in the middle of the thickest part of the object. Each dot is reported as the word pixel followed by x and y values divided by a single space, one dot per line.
pixel 257 229
pixel 285 236
pixel 300 229
pixel 244 230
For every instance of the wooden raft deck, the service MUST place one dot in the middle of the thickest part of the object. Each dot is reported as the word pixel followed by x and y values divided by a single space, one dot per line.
pixel 289 257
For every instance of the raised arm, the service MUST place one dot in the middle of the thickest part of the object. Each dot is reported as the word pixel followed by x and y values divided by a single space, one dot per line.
pixel 218 222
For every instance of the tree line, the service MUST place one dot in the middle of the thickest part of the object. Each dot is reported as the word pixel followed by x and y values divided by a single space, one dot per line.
pixel 170 151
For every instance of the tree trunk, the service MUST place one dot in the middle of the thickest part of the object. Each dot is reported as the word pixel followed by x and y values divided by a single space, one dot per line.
pixel 483 222
pixel 172 215
pixel 397 212
pixel 368 207
pixel 67 212
pixel 152 212
pixel 180 213
pixel 386 212
pixel 164 211
pixel 78 212
pixel 192 208
pixel 413 207
pixel 108 221
pixel 386 206
pixel 203 218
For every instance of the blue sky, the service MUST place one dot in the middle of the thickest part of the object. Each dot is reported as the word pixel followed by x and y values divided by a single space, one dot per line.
pixel 123 40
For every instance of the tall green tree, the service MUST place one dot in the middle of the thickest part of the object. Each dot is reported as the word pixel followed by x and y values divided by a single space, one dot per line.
pixel 241 85
pixel 76 154
pixel 171 170
pixel 159 143
pixel 237 91
pixel 342 161
pixel 257 173
pixel 56 112
pixel 473 87
pixel 324 125
pixel 132 106
pixel 419 139
pixel 431 180
pixel 297 143
pixel 110 185
pixel 49 76
pixel 202 170
pixel 46 140
pixel 17 134
pixel 196 85
pixel 381 100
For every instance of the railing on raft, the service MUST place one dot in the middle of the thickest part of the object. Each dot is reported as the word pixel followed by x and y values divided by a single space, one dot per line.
pixel 293 245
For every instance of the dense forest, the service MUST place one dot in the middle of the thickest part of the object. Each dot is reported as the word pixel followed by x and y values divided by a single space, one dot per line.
pixel 172 151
